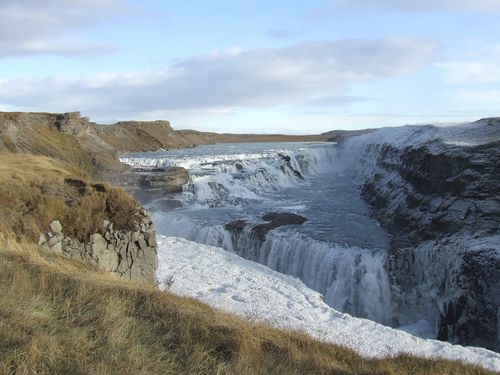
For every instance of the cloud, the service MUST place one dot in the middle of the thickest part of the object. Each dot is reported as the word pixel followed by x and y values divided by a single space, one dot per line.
pixel 476 65
pixel 30 27
pixel 481 97
pixel 426 5
pixel 258 78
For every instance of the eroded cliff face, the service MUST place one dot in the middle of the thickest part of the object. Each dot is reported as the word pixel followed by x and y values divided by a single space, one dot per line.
pixel 132 254
pixel 437 191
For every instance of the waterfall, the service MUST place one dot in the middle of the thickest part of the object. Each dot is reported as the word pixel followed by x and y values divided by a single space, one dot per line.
pixel 233 185
pixel 352 279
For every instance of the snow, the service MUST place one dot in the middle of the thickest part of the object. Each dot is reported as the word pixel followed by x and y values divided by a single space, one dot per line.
pixel 226 281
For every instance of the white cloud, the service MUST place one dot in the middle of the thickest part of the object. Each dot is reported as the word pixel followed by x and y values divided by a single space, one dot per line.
pixel 475 65
pixel 426 5
pixel 478 97
pixel 47 26
pixel 261 78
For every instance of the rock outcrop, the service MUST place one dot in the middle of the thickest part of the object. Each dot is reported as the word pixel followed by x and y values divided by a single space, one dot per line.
pixel 276 220
pixel 147 184
pixel 131 254
pixel 437 193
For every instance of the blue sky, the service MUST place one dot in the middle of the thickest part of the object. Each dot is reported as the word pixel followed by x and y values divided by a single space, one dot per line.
pixel 253 66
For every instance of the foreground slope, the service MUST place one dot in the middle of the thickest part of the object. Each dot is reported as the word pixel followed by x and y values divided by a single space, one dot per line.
pixel 58 317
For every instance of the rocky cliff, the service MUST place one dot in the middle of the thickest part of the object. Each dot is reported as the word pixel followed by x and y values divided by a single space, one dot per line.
pixel 90 147
pixel 436 190
pixel 127 253
pixel 43 200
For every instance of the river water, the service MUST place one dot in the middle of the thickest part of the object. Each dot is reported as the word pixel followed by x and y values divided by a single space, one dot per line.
pixel 340 251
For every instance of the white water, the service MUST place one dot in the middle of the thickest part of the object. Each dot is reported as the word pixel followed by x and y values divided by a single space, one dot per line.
pixel 340 252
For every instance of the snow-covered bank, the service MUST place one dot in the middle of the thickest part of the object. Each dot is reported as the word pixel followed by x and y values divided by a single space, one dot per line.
pixel 231 283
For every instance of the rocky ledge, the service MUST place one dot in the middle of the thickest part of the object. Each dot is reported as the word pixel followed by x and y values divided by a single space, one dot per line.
pixel 436 190
pixel 273 220
pixel 131 254
pixel 147 184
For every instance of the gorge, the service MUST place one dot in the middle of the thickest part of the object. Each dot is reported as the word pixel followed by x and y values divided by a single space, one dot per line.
pixel 402 223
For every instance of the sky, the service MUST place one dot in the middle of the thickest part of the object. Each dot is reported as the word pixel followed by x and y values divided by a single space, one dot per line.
pixel 261 66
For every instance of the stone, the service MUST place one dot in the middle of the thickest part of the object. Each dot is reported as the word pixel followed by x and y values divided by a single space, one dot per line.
pixel 136 236
pixel 42 240
pixel 170 181
pixel 96 237
pixel 56 239
pixel 57 248
pixel 109 260
pixel 236 225
pixel 99 246
pixel 276 220
pixel 56 227
pixel 105 224
pixel 447 193
pixel 142 244
pixel 130 254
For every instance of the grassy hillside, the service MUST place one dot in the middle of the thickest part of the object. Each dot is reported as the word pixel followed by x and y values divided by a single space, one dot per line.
pixel 35 190
pixel 57 317
pixel 46 134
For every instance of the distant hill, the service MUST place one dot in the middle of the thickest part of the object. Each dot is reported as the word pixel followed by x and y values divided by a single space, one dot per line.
pixel 94 148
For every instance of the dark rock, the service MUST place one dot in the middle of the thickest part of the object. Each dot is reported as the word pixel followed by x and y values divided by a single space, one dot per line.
pixel 79 185
pixel 287 160
pixel 236 226
pixel 276 220
pixel 445 193
pixel 99 187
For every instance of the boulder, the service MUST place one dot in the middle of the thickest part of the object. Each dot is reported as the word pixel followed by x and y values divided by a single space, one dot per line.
pixel 56 227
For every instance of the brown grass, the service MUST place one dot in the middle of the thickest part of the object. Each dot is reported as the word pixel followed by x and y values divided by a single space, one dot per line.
pixel 36 190
pixel 56 317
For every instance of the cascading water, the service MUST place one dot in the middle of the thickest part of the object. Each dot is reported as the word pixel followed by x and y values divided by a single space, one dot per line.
pixel 339 252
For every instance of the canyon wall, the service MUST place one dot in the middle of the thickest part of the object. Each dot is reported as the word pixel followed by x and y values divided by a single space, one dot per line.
pixel 436 190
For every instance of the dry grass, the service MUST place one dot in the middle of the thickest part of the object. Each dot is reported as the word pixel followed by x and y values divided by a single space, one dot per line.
pixel 36 190
pixel 56 317
pixel 36 134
